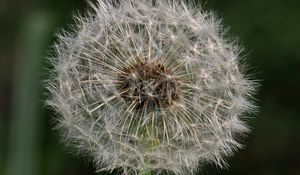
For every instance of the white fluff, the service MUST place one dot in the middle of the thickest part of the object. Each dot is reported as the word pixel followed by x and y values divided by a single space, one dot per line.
pixel 201 126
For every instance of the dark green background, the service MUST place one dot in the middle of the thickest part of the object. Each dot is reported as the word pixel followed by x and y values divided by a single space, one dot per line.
pixel 268 29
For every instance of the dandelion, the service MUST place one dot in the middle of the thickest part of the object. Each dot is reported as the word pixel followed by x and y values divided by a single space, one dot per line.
pixel 149 87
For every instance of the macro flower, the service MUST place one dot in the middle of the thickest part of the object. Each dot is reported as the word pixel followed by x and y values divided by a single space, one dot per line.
pixel 149 86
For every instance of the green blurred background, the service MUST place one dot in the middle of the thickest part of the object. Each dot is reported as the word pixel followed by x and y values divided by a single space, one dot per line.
pixel 269 30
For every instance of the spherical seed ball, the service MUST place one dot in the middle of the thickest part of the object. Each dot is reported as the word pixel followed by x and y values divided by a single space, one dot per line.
pixel 149 86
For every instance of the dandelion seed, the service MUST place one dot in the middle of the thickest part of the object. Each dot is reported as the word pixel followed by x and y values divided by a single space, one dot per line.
pixel 149 86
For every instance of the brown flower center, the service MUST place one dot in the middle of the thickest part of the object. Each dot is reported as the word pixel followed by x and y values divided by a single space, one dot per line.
pixel 150 85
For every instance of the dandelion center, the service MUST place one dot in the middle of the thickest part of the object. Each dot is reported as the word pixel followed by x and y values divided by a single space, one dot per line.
pixel 149 85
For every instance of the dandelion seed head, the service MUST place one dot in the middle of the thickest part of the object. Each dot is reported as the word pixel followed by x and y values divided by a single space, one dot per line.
pixel 149 86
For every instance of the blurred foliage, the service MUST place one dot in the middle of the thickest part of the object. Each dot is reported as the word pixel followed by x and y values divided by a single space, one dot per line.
pixel 268 29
